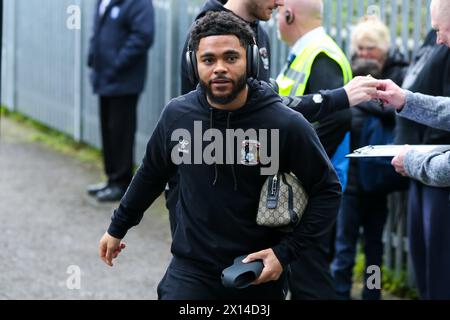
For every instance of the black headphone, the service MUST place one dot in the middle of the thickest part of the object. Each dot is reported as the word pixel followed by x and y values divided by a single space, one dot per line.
pixel 252 63
pixel 289 16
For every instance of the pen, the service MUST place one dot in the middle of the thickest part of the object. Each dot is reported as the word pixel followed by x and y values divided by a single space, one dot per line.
pixel 380 102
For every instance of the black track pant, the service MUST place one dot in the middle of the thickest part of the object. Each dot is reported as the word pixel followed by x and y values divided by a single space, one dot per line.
pixel 118 127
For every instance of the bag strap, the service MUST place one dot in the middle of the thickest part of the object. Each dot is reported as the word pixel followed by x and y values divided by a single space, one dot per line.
pixel 273 188
pixel 293 215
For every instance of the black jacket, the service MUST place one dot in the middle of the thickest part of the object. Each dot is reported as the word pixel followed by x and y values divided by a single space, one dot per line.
pixel 327 74
pixel 262 40
pixel 119 45
pixel 394 69
pixel 429 74
pixel 314 110
pixel 216 211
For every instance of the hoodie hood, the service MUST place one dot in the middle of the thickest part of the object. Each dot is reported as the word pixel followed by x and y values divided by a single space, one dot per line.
pixel 260 95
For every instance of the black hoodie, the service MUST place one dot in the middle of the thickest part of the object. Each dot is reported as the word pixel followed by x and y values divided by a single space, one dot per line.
pixel 217 206
pixel 262 40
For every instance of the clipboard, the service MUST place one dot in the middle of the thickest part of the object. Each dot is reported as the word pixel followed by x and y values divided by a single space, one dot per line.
pixel 392 150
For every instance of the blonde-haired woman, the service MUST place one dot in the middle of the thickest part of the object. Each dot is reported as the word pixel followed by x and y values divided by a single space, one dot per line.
pixel 360 208
pixel 371 40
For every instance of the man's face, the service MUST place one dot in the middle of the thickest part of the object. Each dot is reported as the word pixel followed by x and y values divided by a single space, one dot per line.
pixel 221 63
pixel 262 9
pixel 440 23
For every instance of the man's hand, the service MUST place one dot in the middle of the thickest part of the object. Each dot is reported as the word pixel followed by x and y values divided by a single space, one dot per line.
pixel 391 94
pixel 272 267
pixel 361 89
pixel 398 161
pixel 109 248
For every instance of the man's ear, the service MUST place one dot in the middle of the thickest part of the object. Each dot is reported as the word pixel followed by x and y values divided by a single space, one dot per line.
pixel 289 16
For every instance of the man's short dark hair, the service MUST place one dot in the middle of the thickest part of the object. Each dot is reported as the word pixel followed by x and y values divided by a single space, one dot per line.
pixel 221 23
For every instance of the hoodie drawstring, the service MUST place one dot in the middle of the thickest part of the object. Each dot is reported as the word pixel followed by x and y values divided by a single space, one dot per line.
pixel 232 163
pixel 216 173
pixel 211 111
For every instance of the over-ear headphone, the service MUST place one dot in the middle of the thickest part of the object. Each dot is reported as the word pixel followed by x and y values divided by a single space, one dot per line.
pixel 252 62
pixel 289 16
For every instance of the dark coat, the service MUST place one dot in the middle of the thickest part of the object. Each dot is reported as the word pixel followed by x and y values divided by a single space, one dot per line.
pixel 395 69
pixel 429 74
pixel 119 46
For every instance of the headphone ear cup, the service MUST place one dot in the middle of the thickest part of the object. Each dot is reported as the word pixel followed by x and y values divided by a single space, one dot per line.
pixel 191 62
pixel 253 61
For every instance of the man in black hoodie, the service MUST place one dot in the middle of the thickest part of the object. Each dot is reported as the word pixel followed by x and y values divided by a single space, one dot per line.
pixel 218 200
pixel 310 106
pixel 250 11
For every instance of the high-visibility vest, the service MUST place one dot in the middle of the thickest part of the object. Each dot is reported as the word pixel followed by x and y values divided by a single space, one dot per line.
pixel 293 79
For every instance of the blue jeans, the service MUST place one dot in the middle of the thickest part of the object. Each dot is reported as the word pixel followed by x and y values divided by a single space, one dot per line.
pixel 370 212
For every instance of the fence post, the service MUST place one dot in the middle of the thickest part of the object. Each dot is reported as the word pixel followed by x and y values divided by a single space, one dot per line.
pixel 360 9
pixel 410 269
pixel 338 38
pixel 77 74
pixel 10 97
pixel 417 26
pixel 400 227
pixel 168 66
pixel 383 10
pixel 393 23
pixel 1 49
pixel 405 28
pixel 183 24
pixel 348 27
pixel 388 234
pixel 327 16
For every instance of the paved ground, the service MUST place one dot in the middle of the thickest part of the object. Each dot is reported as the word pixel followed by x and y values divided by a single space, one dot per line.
pixel 47 224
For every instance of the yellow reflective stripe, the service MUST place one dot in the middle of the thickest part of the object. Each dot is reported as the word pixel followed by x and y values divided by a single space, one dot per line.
pixel 342 62
pixel 302 65
pixel 294 80
pixel 310 55
pixel 284 85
